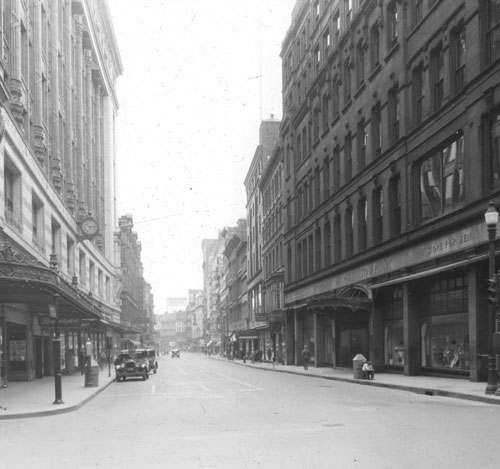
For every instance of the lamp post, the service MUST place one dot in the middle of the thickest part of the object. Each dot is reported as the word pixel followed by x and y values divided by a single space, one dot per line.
pixel 57 355
pixel 491 219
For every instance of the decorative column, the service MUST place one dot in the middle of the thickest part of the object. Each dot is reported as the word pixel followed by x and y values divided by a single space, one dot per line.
pixel 68 132
pixel 17 97
pixel 80 121
pixel 39 137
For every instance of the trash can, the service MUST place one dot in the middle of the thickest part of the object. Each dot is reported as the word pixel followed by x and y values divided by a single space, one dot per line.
pixel 357 365
pixel 92 377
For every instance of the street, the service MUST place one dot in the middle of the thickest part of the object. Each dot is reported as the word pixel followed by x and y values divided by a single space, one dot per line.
pixel 201 412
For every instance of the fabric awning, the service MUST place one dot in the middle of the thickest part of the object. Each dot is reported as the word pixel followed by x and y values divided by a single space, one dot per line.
pixel 426 273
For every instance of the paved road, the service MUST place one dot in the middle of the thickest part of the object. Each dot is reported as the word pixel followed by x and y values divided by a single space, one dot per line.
pixel 203 413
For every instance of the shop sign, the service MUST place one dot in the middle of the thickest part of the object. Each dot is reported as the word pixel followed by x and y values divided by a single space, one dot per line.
pixel 61 322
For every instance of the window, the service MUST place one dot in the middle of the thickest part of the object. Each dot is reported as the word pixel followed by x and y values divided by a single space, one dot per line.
pixel 298 152
pixel 437 76
pixel 56 239
pixel 326 178
pixel 458 50
pixel 326 42
pixel 316 124
pixel 347 82
pixel 12 196
pixel 37 221
pixel 418 94
pixel 82 268
pixel 392 24
pixel 361 143
pixel 318 250
pixel 348 11
pixel 70 256
pixel 328 243
pixel 100 283
pixel 92 276
pixel 335 97
pixel 108 288
pixel 310 254
pixel 417 11
pixel 378 216
pixel 493 147
pixel 336 28
pixel 393 113
pixel 304 143
pixel 348 157
pixel 374 47
pixel 395 205
pixel 362 223
pixel 317 60
pixel 360 64
pixel 325 115
pixel 349 232
pixel 442 180
pixel 376 126
pixel 336 168
pixel 492 22
pixel 317 188
pixel 337 238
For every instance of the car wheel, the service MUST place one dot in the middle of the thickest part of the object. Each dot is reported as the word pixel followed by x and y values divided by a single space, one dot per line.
pixel 144 376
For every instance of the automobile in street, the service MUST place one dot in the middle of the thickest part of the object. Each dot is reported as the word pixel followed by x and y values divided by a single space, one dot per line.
pixel 132 364
pixel 176 353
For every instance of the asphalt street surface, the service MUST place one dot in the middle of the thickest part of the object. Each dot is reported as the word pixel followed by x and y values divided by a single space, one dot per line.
pixel 198 412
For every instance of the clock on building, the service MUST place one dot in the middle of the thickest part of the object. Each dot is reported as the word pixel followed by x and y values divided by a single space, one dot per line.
pixel 89 228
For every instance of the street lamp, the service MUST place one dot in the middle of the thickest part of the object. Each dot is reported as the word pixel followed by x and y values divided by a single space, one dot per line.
pixel 57 354
pixel 491 219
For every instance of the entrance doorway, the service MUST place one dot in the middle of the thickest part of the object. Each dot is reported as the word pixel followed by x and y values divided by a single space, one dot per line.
pixel 353 337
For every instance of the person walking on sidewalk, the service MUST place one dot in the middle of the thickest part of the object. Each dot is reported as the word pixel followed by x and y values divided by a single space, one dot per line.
pixel 306 356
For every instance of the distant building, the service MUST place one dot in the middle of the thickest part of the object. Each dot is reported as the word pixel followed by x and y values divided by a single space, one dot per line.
pixel 176 304
pixel 258 321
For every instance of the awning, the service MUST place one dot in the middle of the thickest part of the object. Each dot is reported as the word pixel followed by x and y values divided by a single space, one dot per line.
pixel 209 343
pixel 249 337
pixel 426 273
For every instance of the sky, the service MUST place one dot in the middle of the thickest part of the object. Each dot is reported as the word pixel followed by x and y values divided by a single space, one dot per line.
pixel 199 76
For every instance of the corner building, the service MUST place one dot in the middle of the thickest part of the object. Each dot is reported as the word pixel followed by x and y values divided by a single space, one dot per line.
pixel 391 144
pixel 59 261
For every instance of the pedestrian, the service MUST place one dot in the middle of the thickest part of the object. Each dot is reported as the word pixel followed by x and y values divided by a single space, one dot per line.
pixel 368 370
pixel 306 356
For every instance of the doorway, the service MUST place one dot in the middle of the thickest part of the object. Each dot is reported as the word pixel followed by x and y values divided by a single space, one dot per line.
pixel 353 337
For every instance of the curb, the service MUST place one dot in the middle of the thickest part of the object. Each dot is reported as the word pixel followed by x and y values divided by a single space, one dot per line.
pixel 56 411
pixel 399 387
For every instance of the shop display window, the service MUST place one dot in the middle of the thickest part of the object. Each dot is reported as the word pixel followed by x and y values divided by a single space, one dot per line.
pixel 445 342
pixel 17 353
pixel 394 352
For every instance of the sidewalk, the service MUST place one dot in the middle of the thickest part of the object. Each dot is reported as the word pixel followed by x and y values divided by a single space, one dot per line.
pixel 428 385
pixel 35 398
pixel 21 399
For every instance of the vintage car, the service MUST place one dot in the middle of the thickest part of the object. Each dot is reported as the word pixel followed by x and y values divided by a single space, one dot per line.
pixel 176 353
pixel 152 362
pixel 132 363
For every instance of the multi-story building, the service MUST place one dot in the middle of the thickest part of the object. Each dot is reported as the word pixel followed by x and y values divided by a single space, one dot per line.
pixel 390 141
pixel 241 338
pixel 58 68
pixel 268 138
pixel 271 188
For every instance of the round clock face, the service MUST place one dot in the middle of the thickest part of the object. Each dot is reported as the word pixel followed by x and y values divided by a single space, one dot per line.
pixel 89 227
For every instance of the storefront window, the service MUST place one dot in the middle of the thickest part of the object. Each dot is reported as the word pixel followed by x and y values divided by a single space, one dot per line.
pixel 17 353
pixel 394 352
pixel 444 324
pixel 445 342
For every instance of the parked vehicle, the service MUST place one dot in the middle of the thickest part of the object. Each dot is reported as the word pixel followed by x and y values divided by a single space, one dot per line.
pixel 176 353
pixel 131 363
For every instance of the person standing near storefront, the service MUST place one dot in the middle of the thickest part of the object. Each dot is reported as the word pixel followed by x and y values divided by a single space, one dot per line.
pixel 306 356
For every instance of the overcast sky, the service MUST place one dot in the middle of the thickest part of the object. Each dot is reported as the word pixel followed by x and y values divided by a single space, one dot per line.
pixel 191 102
